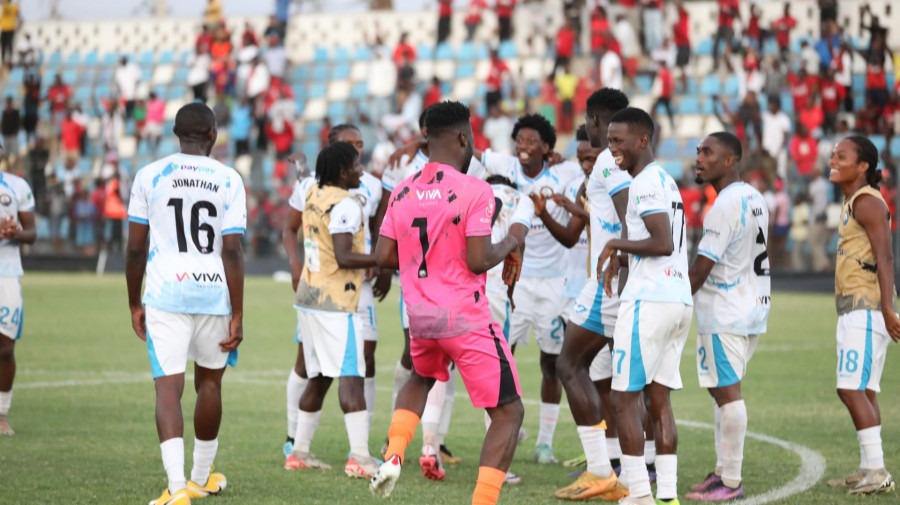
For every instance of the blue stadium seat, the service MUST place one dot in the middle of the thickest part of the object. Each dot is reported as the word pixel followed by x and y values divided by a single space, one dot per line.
pixel 311 131
pixel 668 148
pixel 146 74
pixel 507 50
pixel 146 58
pixel 466 51
pixel 692 85
pixel 859 81
pixel 362 53
pixel 481 52
pixel 644 82
pixel 688 105
pixel 341 55
pixel 689 149
pixel 15 78
pixel 711 85
pixel 184 56
pixel 341 71
pixel 320 55
pixel 880 142
pixel 300 74
pixel 311 147
pixel 82 95
pixel 320 73
pixel 73 59
pixel 424 51
pixel 180 75
pixel 444 51
pixel 317 90
pixel 110 59
pixel 731 86
pixel 359 91
pixel 673 168
pixel 895 147
pixel 55 59
pixel 166 57
pixel 532 88
pixel 101 92
pixel 167 145
pixel 91 59
pixel 465 70
pixel 704 47
pixel 706 106
pixel 178 91
pixel 337 111
pixel 770 47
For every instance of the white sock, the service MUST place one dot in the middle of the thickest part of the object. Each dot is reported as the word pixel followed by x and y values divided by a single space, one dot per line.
pixel 594 444
pixel 296 385
pixel 870 447
pixel 431 416
pixel 613 448
pixel 447 410
pixel 734 430
pixel 173 461
pixel 307 423
pixel 549 415
pixel 649 451
pixel 204 455
pixel 717 433
pixel 369 390
pixel 487 422
pixel 357 424
pixel 401 375
pixel 638 481
pixel 5 402
pixel 666 476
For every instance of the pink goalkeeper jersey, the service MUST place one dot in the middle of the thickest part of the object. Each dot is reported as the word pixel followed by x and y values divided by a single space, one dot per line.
pixel 430 215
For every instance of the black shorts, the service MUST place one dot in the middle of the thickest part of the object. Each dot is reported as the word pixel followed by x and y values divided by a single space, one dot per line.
pixel 682 56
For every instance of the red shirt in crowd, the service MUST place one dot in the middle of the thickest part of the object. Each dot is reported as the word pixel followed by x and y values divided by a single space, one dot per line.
pixel 71 134
pixel 753 25
pixel 628 3
pixel 445 8
pixel 494 79
pixel 667 84
pixel 59 98
pixel 282 140
pixel 505 8
pixel 565 42
pixel 473 13
pixel 599 31
pixel 801 89
pixel 432 96
pixel 727 11
pixel 832 94
pixel 404 51
pixel 811 117
pixel 205 39
pixel 804 151
pixel 682 29
pixel 691 199
pixel 782 28
pixel 875 78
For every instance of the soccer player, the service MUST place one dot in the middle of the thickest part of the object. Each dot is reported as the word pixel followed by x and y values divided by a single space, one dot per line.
pixel 193 210
pixel 730 268
pixel 655 308
pixel 327 300
pixel 437 232
pixel 539 297
pixel 864 297
pixel 16 227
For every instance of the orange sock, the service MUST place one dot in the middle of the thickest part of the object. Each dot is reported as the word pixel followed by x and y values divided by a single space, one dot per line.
pixel 487 489
pixel 401 431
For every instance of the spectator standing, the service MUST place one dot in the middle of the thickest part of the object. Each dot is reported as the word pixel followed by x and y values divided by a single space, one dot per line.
pixel 799 232
pixel 776 129
pixel 71 139
pixel 199 72
pixel 681 32
pixel 827 46
pixel 754 32
pixel 600 34
pixel 782 224
pixel 114 210
pixel 276 58
pixel 28 53
pixel 610 69
pixel 566 84
pixel 842 64
pixel 212 15
pixel 629 46
pixel 445 11
pixel 9 22
pixel 382 80
pixel 241 122
pixel 98 200
pixel 781 28
pixel 811 116
pixel 665 53
pixel 204 38
pixel 565 45
pixel 248 37
pixel 498 129
pixel 84 215
pixel 127 77
pixel 10 125
pixel 876 84
pixel 275 27
pixel 497 76
pixel 831 94
pixel 652 16
pixel 504 9
pixel 803 85
pixel 58 96
pixel 666 89
pixel 728 12
pixel 57 210
pixel 804 151
pixel 775 79
pixel 434 93
pixel 809 58
pixel 473 17
pixel 156 112
pixel 404 53
pixel 819 234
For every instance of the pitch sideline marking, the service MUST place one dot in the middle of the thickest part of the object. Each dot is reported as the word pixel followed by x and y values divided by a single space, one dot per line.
pixel 812 463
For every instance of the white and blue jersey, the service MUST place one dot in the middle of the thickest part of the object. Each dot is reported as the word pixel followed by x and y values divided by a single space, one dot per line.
pixel 394 175
pixel 15 198
pixel 189 203
pixel 542 251
pixel 657 278
pixel 606 181
pixel 577 257
pixel 727 301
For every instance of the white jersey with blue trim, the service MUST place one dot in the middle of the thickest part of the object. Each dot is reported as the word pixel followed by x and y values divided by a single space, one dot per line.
pixel 15 197
pixel 394 175
pixel 605 181
pixel 727 301
pixel 189 203
pixel 512 206
pixel 761 271
pixel 577 256
pixel 542 251
pixel 657 278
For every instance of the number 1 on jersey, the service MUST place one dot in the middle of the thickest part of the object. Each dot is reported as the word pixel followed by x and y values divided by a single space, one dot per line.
pixel 422 224
pixel 676 206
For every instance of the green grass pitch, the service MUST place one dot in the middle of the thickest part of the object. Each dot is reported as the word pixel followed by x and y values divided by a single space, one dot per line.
pixel 83 410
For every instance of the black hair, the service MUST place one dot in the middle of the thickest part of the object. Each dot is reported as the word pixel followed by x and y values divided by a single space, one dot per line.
pixel 445 116
pixel 867 152
pixel 731 142
pixel 539 124
pixel 637 120
pixel 336 131
pixel 605 102
pixel 334 159
pixel 581 134
pixel 422 117
pixel 502 180
pixel 193 122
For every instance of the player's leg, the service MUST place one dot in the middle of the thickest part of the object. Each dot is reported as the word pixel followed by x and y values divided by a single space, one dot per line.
pixel 548 298
pixel 649 441
pixel 862 348
pixel 500 443
pixel 446 415
pixel 403 369
pixel 369 328
pixel 431 460
pixel 296 384
pixel 352 398
pixel 7 375
pixel 11 307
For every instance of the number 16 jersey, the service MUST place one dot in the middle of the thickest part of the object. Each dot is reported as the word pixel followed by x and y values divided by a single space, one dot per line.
pixel 189 203
pixel 657 278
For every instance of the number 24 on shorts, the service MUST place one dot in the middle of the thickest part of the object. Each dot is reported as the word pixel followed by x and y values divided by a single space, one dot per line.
pixel 6 312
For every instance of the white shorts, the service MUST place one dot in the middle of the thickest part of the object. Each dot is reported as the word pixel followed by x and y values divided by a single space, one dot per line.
pixel 12 310
pixel 366 311
pixel 722 358
pixel 862 342
pixel 594 311
pixel 501 310
pixel 173 339
pixel 648 342
pixel 539 304
pixel 332 343
pixel 601 367
pixel 404 315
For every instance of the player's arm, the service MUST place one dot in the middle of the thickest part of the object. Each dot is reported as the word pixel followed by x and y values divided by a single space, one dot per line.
pixel 659 243
pixel 386 255
pixel 382 284
pixel 344 255
pixel 873 216
pixel 22 231
pixel 699 271
pixel 718 230
pixel 519 231
pixel 567 235
pixel 620 203
pixel 482 255
pixel 135 265
pixel 233 263
pixel 291 235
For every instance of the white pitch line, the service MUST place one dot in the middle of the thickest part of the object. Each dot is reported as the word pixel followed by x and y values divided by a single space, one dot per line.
pixel 812 463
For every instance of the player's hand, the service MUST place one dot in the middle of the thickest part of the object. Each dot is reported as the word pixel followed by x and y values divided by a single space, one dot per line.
pixel 892 323
pixel 540 204
pixel 382 284
pixel 509 296
pixel 408 150
pixel 8 227
pixel 370 274
pixel 564 202
pixel 555 158
pixel 296 270
pixel 139 322
pixel 235 335
pixel 612 269
pixel 512 267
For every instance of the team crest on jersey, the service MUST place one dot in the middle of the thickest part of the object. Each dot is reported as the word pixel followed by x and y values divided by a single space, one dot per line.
pixel 606 172
pixel 361 199
pixel 546 191
pixel 5 200
pixel 845 217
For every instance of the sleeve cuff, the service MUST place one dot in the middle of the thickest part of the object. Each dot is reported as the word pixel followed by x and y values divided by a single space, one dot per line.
pixel 233 231
pixel 620 187
pixel 651 211
pixel 708 255
pixel 138 220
